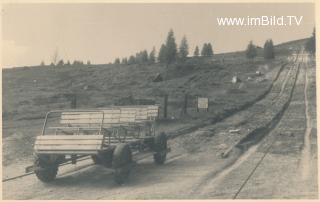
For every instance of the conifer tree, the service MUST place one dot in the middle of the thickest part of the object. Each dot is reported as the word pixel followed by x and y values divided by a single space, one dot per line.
pixel 196 51
pixel 251 51
pixel 183 49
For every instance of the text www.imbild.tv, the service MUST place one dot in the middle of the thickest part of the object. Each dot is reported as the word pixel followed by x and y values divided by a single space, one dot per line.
pixel 290 20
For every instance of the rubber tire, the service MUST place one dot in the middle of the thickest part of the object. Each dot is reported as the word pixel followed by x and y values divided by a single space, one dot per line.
pixel 121 163
pixel 160 147
pixel 45 171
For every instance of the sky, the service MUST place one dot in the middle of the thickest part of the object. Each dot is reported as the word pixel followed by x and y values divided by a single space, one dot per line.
pixel 32 33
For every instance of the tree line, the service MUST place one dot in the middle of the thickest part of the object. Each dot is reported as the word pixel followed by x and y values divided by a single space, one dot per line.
pixel 268 50
pixel 61 63
pixel 169 52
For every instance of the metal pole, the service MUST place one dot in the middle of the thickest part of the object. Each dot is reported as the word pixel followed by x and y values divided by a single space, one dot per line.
pixel 185 106
pixel 165 108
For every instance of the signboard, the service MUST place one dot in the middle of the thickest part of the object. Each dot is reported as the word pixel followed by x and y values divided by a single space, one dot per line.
pixel 203 103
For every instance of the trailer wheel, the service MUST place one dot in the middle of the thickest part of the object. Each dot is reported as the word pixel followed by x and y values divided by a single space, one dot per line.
pixel 45 169
pixel 121 163
pixel 160 147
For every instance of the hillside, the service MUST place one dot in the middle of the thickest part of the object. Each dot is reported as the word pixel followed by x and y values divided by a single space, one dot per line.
pixel 29 92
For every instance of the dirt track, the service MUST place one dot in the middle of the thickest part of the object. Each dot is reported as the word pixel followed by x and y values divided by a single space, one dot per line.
pixel 278 166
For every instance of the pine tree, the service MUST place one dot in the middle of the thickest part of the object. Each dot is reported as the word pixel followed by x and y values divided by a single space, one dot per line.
pixel 124 61
pixel 42 63
pixel 171 48
pixel 131 60
pixel 117 61
pixel 88 62
pixel 162 54
pixel 268 50
pixel 196 51
pixel 138 59
pixel 152 56
pixel 144 56
pixel 310 45
pixel 60 63
pixel 204 49
pixel 183 49
pixel 209 50
pixel 251 51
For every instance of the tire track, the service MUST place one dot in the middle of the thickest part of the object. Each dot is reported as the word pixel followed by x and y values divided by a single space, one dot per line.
pixel 215 177
pixel 306 152
pixel 299 177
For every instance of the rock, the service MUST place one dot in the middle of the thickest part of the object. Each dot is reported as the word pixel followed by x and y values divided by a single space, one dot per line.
pixel 235 79
pixel 258 73
pixel 222 146
pixel 234 131
pixel 158 78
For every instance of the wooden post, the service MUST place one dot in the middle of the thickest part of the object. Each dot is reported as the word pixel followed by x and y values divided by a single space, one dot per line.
pixel 185 105
pixel 197 104
pixel 165 106
pixel 73 101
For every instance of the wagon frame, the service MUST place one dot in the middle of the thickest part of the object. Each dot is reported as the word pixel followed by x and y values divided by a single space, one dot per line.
pixel 109 135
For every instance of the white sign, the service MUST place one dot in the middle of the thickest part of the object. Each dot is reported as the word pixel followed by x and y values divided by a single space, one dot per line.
pixel 203 103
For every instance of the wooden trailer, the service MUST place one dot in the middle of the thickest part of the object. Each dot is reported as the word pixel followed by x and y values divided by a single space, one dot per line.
pixel 109 135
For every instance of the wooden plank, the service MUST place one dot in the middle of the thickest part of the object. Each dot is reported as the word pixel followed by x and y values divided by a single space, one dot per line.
pixel 82 112
pixel 66 152
pixel 82 116
pixel 127 120
pixel 127 137
pixel 106 121
pixel 67 147
pixel 67 142
pixel 90 115
pixel 118 141
pixel 81 121
pixel 111 111
pixel 71 137
pixel 74 128
pixel 111 116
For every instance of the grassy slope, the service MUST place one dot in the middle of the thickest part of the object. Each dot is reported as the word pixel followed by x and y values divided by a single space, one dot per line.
pixel 31 91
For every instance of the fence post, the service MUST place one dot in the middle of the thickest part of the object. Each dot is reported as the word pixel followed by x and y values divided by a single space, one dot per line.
pixel 197 104
pixel 185 105
pixel 165 106
pixel 73 101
